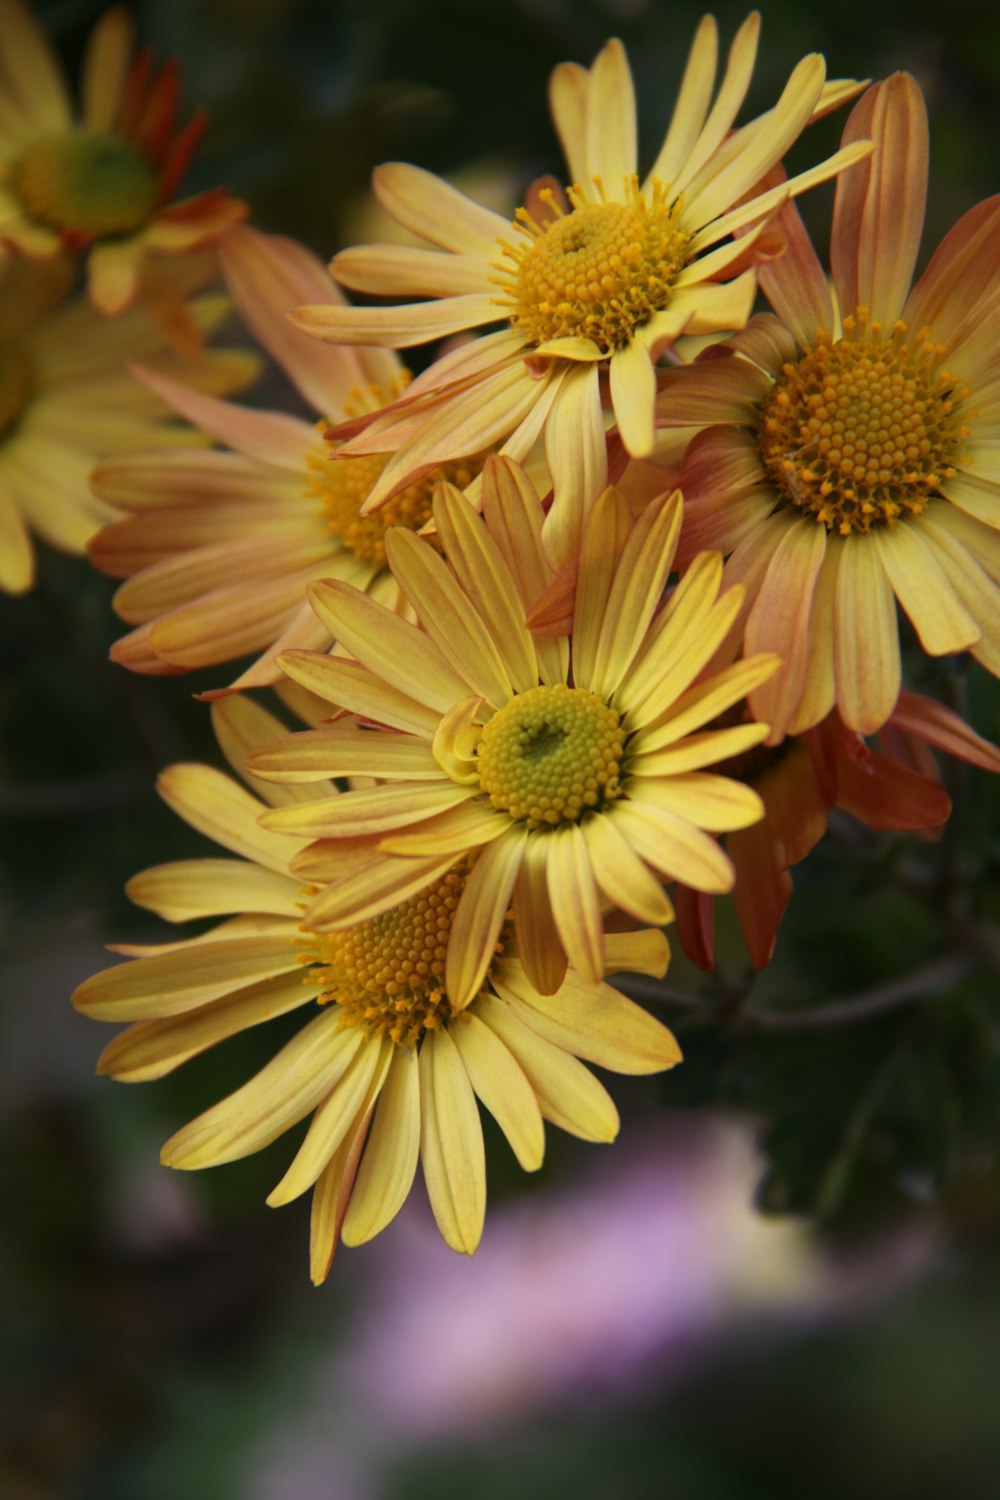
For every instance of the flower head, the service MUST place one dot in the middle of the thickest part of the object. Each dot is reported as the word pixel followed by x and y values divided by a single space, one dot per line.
pixel 66 398
pixel 849 457
pixel 218 546
pixel 100 183
pixel 573 762
pixel 387 1066
pixel 591 283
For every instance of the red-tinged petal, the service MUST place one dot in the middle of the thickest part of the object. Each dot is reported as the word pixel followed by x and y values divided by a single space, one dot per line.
pixel 885 794
pixel 866 663
pixel 945 730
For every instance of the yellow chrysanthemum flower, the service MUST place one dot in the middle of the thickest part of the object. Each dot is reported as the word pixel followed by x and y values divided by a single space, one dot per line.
pixel 591 284
pixel 100 183
pixel 572 762
pixel 388 1067
pixel 850 457
pixel 66 398
pixel 218 547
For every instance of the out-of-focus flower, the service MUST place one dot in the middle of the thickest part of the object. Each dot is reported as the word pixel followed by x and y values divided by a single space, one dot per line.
pixel 219 546
pixel 574 763
pixel 851 453
pixel 100 183
pixel 67 398
pixel 591 284
pixel 389 1068
pixel 894 787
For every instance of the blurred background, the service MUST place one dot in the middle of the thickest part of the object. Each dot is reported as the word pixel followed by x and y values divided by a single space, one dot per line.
pixel 782 1281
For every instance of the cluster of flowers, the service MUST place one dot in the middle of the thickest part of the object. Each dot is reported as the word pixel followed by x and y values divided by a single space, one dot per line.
pixel 610 579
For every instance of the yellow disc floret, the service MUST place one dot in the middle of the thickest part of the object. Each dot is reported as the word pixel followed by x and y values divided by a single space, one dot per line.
pixel 15 382
pixel 863 430
pixel 86 182
pixel 552 754
pixel 342 485
pixel 598 272
pixel 387 975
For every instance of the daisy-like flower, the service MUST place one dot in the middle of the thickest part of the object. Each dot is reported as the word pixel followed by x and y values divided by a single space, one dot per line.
pixel 892 786
pixel 590 284
pixel 100 183
pixel 66 398
pixel 850 459
pixel 574 764
pixel 388 1067
pixel 218 547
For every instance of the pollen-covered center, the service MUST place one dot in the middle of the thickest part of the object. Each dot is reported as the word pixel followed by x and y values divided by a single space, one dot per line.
pixel 598 272
pixel 15 383
pixel 863 431
pixel 342 485
pixel 551 754
pixel 87 182
pixel 387 975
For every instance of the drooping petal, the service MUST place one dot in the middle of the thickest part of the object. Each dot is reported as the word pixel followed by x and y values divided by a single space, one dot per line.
pixel 501 1085
pixel 387 1168
pixel 866 662
pixel 568 1094
pixel 480 915
pixel 451 1144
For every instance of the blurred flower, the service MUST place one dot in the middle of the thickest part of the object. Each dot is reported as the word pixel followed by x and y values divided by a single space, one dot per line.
pixel 100 184
pixel 219 546
pixel 390 1066
pixel 854 458
pixel 592 283
pixel 895 787
pixel 66 398
pixel 571 762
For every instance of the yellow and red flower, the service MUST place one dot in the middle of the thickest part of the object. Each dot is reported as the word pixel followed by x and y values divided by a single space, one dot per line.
pixel 850 457
pixel 388 1067
pixel 590 284
pixel 100 183
pixel 573 763
pixel 218 547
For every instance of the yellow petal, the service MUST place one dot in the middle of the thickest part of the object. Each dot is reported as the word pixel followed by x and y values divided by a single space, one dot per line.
pixel 170 983
pixel 592 1021
pixel 622 875
pixel 480 915
pixel 448 616
pixel 150 1049
pixel 390 1160
pixel 357 1086
pixel 567 1093
pixel 278 1097
pixel 191 888
pixel 673 846
pixel 573 895
pixel 451 1144
pixel 500 1083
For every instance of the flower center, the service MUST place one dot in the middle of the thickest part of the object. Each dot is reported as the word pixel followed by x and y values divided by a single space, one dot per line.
pixel 15 383
pixel 551 754
pixel 342 485
pixel 86 182
pixel 387 974
pixel 863 430
pixel 598 272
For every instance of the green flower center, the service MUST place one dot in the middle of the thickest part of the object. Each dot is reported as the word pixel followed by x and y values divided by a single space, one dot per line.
pixel 86 182
pixel 551 754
